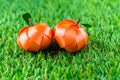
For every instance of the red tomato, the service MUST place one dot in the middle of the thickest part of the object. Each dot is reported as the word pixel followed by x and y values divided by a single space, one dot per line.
pixel 35 38
pixel 70 35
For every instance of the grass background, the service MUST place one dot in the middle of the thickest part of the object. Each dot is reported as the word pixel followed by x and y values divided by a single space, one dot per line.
pixel 100 59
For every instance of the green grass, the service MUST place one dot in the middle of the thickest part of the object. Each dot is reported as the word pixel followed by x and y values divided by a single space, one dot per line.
pixel 100 59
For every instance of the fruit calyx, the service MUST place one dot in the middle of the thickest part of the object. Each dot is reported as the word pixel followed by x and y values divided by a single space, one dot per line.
pixel 28 19
pixel 77 22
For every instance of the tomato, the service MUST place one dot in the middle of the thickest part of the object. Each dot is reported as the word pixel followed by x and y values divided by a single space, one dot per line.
pixel 35 38
pixel 70 35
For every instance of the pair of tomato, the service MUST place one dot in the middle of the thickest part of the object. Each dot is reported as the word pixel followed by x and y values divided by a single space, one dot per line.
pixel 67 34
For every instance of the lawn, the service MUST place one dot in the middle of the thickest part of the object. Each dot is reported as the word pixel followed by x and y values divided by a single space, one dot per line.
pixel 99 60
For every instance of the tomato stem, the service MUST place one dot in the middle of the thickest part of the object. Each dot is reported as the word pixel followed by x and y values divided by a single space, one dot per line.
pixel 30 22
pixel 28 19
pixel 77 21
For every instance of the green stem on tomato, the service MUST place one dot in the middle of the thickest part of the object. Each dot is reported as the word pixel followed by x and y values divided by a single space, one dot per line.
pixel 30 22
pixel 77 22
pixel 28 19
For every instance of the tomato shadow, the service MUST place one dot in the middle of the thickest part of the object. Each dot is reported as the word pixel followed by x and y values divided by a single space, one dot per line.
pixel 54 49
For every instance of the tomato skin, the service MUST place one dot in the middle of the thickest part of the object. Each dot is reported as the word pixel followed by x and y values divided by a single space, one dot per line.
pixel 70 36
pixel 35 38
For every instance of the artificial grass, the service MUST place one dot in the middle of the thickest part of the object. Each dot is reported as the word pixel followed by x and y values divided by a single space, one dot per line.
pixel 100 59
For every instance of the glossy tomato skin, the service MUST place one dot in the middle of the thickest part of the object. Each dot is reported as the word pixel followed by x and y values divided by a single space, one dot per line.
pixel 70 36
pixel 35 38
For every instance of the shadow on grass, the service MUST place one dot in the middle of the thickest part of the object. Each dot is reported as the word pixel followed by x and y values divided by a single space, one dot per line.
pixel 54 50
